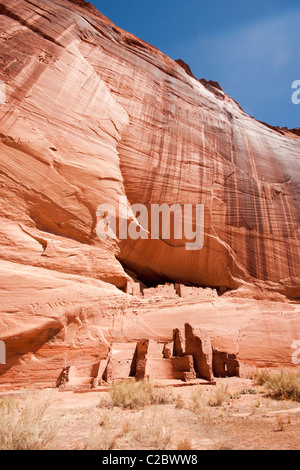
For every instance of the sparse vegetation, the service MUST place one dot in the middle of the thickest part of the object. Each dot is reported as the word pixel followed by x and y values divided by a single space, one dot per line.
pixel 138 395
pixel 162 396
pixel 261 376
pixel 198 398
pixel 152 430
pixel 139 415
pixel 244 391
pixel 105 402
pixel 284 384
pixel 179 402
pixel 104 437
pixel 218 397
pixel 26 426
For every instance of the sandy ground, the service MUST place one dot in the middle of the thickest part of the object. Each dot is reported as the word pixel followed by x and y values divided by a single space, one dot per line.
pixel 248 420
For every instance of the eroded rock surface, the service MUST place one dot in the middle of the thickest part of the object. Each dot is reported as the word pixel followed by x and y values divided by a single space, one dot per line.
pixel 93 113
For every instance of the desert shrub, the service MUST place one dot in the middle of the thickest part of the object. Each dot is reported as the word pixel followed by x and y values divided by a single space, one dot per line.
pixel 101 440
pixel 138 395
pixel 218 397
pixel 162 396
pixel 104 437
pixel 261 376
pixel 179 402
pixel 248 391
pixel 284 384
pixel 25 426
pixel 199 399
pixel 244 391
pixel 202 400
pixel 131 394
pixel 152 430
pixel 105 402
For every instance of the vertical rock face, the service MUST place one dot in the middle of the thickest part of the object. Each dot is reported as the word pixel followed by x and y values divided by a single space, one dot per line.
pixel 94 113
pixel 198 345
pixel 91 114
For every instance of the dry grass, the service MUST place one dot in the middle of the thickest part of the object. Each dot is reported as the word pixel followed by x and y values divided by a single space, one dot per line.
pixel 26 426
pixel 183 421
pixel 219 396
pixel 104 437
pixel 179 403
pixel 132 395
pixel 105 403
pixel 284 384
pixel 162 396
pixel 199 399
pixel 202 400
pixel 151 430
pixel 102 440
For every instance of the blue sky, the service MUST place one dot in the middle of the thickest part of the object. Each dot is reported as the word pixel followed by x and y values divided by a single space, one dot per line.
pixel 251 48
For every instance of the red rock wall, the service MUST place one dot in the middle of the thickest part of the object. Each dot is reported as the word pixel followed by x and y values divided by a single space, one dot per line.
pixel 93 113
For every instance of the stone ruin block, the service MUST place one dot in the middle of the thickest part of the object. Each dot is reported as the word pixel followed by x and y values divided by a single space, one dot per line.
pixel 154 368
pixel 154 349
pixel 188 357
pixel 162 291
pixel 195 292
pixel 198 344
pixel 121 364
pixel 178 342
pixel 133 288
pixel 140 370
pixel 168 350
pixel 73 378
pixel 210 293
pixel 225 365
pixel 149 348
pixel 195 343
pixel 151 362
pixel 101 370
pixel 183 368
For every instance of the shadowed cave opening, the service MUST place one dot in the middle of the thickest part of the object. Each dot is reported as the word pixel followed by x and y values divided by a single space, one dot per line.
pixel 150 279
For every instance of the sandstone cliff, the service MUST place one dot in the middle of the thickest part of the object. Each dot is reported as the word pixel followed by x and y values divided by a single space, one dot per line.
pixel 93 113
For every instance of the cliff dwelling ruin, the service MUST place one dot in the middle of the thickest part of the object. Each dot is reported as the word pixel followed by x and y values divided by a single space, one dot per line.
pixel 171 291
pixel 190 356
